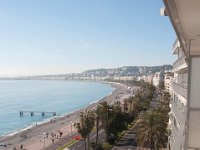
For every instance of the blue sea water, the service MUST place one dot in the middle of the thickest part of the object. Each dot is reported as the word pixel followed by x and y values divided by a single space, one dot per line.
pixel 44 95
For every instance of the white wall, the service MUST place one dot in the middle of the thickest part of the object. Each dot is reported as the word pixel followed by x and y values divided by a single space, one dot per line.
pixel 194 120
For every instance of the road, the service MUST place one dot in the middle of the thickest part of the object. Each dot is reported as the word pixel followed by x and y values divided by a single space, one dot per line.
pixel 81 144
pixel 127 142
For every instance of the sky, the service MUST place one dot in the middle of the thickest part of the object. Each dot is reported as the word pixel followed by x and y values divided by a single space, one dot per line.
pixel 40 37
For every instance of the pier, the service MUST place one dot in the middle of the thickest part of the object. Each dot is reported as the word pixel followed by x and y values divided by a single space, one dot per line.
pixel 21 113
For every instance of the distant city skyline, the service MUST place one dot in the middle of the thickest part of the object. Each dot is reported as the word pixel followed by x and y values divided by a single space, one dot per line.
pixel 58 37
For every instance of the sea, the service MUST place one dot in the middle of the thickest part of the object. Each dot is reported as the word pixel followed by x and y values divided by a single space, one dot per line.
pixel 60 96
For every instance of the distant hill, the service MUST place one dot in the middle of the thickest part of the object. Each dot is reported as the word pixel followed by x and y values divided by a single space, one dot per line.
pixel 121 71
pixel 126 71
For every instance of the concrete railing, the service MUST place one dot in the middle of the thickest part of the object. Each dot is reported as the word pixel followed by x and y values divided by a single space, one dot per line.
pixel 177 112
pixel 180 89
pixel 176 45
pixel 179 62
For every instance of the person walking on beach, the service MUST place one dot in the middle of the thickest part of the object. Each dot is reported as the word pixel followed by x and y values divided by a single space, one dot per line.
pixel 60 134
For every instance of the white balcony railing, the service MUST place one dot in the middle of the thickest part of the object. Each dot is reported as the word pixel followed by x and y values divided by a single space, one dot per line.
pixel 176 46
pixel 177 112
pixel 179 64
pixel 180 89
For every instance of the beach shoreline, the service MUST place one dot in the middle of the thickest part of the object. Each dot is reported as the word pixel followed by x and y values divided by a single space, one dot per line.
pixel 32 139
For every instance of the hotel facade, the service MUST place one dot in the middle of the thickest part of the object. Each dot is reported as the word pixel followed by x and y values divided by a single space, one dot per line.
pixel 184 117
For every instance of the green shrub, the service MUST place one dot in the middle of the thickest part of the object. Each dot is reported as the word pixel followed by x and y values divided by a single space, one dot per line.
pixel 121 134
pixel 106 146
pixel 129 126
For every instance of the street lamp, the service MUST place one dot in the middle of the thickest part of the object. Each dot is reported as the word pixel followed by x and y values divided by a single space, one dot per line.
pixel 44 136
pixel 71 126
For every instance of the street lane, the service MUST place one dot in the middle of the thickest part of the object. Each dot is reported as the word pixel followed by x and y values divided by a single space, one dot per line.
pixel 81 144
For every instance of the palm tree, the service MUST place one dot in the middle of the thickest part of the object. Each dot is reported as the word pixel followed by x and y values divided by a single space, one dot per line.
pixel 134 106
pixel 151 129
pixel 103 109
pixel 90 122
pixel 81 128
pixel 85 125
pixel 97 114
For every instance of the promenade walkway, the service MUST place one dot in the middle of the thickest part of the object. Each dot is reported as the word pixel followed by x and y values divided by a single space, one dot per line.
pixel 127 142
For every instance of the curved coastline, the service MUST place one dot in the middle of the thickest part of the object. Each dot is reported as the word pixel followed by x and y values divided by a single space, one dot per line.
pixel 15 138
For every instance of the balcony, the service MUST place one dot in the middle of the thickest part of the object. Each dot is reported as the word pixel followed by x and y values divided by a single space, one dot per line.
pixel 177 112
pixel 180 89
pixel 179 64
pixel 176 46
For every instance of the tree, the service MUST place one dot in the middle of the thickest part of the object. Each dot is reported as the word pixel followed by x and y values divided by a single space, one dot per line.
pixel 134 106
pixel 151 129
pixel 118 122
pixel 113 119
pixel 81 128
pixel 103 109
pixel 85 125
pixel 166 97
pixel 97 114
pixel 90 122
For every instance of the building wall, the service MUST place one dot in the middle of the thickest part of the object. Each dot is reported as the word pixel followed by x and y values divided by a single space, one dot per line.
pixel 157 78
pixel 168 82
pixel 177 121
pixel 194 113
pixel 178 114
pixel 184 16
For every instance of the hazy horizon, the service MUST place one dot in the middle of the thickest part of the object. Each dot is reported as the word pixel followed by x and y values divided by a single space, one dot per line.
pixel 26 75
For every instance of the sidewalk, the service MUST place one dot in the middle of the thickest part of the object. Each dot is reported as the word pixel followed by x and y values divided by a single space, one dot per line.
pixel 127 142
pixel 41 143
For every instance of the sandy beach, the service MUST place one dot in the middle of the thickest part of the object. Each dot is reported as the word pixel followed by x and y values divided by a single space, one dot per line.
pixel 32 138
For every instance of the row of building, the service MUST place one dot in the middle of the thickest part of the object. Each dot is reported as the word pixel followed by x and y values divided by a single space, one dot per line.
pixel 156 79
pixel 159 78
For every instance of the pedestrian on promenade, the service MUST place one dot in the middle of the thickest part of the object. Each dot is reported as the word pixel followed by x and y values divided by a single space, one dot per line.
pixel 47 134
pixel 61 134
pixel 52 140
pixel 21 146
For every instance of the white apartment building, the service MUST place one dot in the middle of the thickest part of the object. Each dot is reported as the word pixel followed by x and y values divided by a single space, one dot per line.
pixel 124 78
pixel 148 78
pixel 168 82
pixel 157 78
pixel 185 105
pixel 178 104
pixel 139 78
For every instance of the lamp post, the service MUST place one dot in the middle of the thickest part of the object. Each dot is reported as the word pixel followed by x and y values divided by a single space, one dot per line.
pixel 44 136
pixel 71 126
